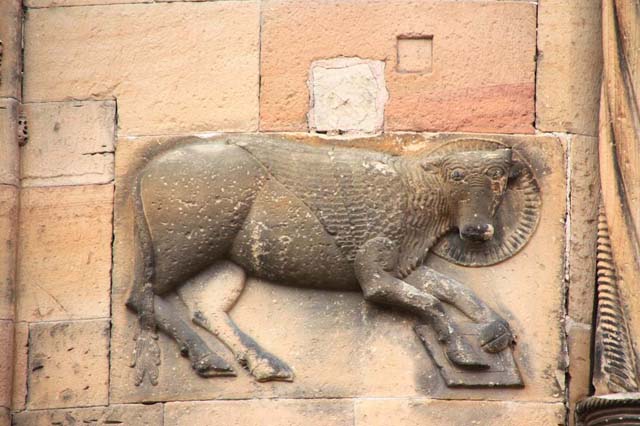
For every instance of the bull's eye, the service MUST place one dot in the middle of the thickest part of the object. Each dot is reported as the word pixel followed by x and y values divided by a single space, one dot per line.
pixel 495 172
pixel 456 174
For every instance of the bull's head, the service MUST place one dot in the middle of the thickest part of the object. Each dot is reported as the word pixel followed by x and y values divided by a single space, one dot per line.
pixel 474 184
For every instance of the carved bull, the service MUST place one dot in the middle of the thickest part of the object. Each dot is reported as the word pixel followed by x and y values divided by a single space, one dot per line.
pixel 309 216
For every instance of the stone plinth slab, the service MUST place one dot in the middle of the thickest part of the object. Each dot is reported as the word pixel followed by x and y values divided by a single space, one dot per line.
pixel 584 207
pixel 11 55
pixel 20 365
pixel 9 242
pixel 9 150
pixel 456 413
pixel 174 68
pixel 6 362
pixel 125 415
pixel 70 143
pixel 340 346
pixel 261 412
pixel 35 4
pixel 65 253
pixel 69 364
pixel 464 91
pixel 569 66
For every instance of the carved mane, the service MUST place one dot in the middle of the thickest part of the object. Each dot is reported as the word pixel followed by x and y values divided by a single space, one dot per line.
pixel 426 218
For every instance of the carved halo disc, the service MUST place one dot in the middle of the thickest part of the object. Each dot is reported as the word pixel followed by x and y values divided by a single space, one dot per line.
pixel 515 221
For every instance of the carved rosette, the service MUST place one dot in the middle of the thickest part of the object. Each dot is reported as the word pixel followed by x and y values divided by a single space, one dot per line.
pixel 516 219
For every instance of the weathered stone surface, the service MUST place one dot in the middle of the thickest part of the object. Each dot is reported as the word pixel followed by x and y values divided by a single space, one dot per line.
pixel 347 95
pixel 261 412
pixel 69 364
pixel 579 345
pixel 5 417
pixel 9 158
pixel 170 68
pixel 34 4
pixel 20 367
pixel 373 352
pixel 11 56
pixel 6 362
pixel 8 242
pixel 584 201
pixel 70 143
pixel 421 412
pixel 126 415
pixel 569 66
pixel 65 253
pixel 465 91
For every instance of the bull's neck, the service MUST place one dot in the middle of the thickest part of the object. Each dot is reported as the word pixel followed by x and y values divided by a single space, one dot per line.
pixel 427 213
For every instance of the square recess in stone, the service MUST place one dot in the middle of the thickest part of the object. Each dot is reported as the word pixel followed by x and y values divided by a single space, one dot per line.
pixel 415 54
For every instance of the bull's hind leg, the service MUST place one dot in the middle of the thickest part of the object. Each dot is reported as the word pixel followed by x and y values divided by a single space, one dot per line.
pixel 203 360
pixel 213 315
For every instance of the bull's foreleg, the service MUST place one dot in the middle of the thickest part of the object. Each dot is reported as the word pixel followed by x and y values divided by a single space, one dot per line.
pixel 373 264
pixel 496 334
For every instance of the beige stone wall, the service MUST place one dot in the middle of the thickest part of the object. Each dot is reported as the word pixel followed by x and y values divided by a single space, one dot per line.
pixel 103 79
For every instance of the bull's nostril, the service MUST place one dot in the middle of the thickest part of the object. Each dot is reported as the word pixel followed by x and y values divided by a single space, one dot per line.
pixel 489 232
pixel 481 232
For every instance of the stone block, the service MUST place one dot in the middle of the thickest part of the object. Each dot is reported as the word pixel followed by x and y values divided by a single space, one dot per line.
pixel 9 150
pixel 20 365
pixel 64 260
pixel 338 345
pixel 569 66
pixel 9 242
pixel 5 417
pixel 36 4
pixel 68 364
pixel 6 362
pixel 171 70
pixel 579 345
pixel 425 412
pixel 126 415
pixel 261 413
pixel 585 193
pixel 465 90
pixel 70 143
pixel 10 49
pixel 347 95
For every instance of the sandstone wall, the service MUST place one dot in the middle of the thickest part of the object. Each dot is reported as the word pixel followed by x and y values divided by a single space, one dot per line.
pixel 98 81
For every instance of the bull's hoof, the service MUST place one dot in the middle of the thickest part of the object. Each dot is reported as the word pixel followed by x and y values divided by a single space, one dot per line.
pixel 496 336
pixel 266 367
pixel 211 365
pixel 146 357
pixel 462 354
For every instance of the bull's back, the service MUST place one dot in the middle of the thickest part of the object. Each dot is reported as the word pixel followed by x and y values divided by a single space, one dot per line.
pixel 195 199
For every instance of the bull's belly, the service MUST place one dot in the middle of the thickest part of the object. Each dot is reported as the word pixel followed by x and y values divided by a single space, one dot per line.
pixel 283 241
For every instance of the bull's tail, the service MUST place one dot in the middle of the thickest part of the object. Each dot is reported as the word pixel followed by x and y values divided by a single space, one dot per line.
pixel 146 356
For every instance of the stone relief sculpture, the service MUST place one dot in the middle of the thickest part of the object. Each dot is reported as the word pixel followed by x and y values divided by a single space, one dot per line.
pixel 615 369
pixel 332 218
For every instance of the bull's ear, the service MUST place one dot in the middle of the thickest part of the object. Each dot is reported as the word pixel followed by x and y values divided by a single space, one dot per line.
pixel 517 168
pixel 432 164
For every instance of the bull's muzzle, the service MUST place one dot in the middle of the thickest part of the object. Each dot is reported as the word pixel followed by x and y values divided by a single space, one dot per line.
pixel 477 232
